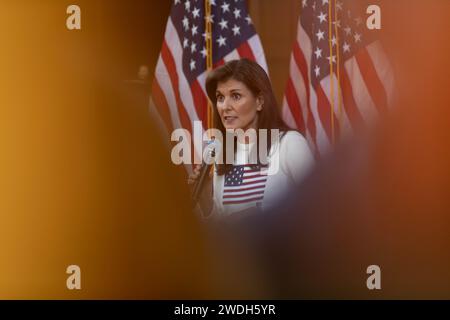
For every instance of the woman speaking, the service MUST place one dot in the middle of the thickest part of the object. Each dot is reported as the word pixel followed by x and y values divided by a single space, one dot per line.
pixel 242 98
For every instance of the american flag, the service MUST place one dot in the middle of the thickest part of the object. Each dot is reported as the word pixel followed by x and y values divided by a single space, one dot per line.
pixel 178 90
pixel 244 184
pixel 336 64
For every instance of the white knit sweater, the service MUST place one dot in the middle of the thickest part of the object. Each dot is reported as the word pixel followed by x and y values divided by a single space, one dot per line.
pixel 289 162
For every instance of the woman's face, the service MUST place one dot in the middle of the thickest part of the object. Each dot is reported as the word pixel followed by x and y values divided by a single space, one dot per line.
pixel 237 106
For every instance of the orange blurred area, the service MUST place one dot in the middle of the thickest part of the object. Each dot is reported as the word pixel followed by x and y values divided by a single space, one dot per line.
pixel 382 199
pixel 87 180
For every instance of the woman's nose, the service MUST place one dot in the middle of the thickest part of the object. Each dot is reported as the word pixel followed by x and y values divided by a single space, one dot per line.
pixel 227 105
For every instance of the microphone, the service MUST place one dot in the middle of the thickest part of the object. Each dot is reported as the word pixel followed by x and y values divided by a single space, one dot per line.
pixel 209 155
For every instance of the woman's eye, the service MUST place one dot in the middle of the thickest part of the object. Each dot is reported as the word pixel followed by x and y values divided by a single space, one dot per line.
pixel 219 98
pixel 236 96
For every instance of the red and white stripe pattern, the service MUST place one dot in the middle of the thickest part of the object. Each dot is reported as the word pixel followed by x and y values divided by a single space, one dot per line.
pixel 358 90
pixel 245 184
pixel 178 90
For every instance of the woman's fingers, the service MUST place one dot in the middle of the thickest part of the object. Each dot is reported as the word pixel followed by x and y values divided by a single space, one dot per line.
pixel 192 179
pixel 194 176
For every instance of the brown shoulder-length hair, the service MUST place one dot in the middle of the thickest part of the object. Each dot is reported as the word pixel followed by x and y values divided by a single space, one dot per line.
pixel 256 79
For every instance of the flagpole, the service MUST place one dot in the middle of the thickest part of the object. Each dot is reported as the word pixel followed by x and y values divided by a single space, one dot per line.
pixel 209 64
pixel 331 71
pixel 209 57
pixel 338 66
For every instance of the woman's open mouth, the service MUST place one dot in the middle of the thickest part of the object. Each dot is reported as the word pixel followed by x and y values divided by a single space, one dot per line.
pixel 228 119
